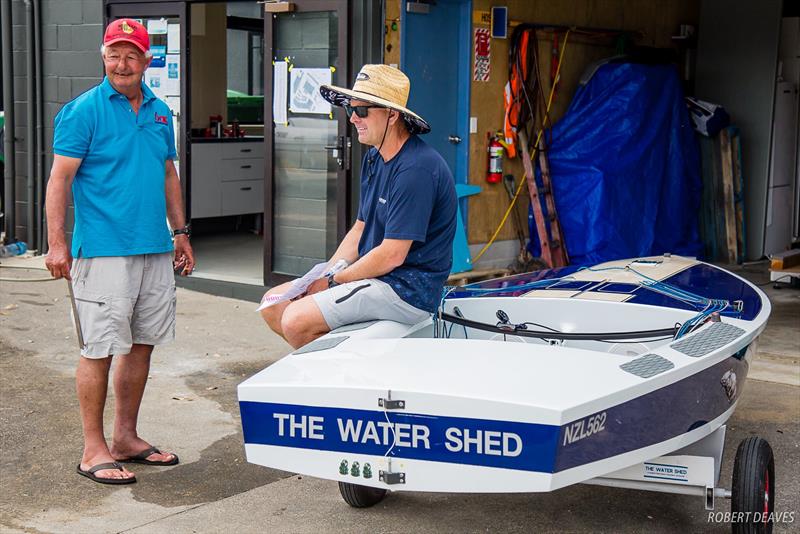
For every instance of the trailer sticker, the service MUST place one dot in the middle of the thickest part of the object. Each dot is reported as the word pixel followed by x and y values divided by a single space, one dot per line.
pixel 666 472
pixel 491 443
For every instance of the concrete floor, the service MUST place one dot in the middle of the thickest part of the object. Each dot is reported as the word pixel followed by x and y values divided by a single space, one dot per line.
pixel 190 407
pixel 230 257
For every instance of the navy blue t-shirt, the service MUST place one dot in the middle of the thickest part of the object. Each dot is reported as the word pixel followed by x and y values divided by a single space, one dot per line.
pixel 411 196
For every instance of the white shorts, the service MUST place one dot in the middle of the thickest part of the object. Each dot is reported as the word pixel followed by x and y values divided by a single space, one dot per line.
pixel 365 300
pixel 122 300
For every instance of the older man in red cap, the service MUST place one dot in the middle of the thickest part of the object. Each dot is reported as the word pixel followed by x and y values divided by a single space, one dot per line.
pixel 114 147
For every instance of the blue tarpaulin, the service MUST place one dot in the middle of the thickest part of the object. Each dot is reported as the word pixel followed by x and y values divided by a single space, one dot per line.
pixel 625 167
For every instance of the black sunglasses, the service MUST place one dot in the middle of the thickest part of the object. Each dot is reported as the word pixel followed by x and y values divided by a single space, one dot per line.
pixel 360 111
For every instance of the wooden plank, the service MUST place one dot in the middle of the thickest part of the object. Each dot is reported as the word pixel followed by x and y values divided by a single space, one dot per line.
pixel 717 204
pixel 533 191
pixel 727 196
pixel 468 277
pixel 707 228
pixel 738 193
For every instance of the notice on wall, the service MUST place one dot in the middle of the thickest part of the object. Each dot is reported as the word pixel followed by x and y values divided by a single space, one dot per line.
pixel 280 85
pixel 304 94
pixel 165 80
pixel 483 56
pixel 157 26
pixel 159 56
pixel 173 39
pixel 172 85
pixel 154 79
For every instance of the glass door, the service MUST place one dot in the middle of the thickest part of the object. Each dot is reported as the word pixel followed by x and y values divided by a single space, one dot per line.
pixel 308 147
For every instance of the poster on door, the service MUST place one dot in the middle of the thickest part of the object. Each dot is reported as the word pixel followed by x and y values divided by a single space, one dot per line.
pixel 483 56
pixel 304 94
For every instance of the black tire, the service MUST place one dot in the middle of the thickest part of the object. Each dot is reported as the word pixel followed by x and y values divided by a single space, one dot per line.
pixel 360 496
pixel 753 493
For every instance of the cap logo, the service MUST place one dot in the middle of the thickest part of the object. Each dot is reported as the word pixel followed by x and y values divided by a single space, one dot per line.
pixel 362 77
pixel 126 27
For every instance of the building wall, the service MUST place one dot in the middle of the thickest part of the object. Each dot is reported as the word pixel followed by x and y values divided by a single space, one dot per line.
pixel 71 32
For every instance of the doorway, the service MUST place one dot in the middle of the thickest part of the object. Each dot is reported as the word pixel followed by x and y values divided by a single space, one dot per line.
pixel 226 203
pixel 435 55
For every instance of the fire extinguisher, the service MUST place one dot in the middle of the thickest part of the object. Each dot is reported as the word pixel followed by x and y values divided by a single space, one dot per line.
pixel 494 171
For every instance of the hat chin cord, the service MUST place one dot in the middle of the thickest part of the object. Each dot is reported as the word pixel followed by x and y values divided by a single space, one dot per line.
pixel 370 160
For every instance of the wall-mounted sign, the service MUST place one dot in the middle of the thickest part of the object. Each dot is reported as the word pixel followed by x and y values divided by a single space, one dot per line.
pixel 483 57
pixel 499 22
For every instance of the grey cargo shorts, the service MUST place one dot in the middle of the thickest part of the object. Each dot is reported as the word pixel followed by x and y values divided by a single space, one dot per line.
pixel 122 300
pixel 365 300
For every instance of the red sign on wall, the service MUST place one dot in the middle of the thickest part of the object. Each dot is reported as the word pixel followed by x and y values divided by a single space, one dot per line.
pixel 483 55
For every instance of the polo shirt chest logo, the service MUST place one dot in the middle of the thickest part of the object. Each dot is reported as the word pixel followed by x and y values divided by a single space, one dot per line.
pixel 161 119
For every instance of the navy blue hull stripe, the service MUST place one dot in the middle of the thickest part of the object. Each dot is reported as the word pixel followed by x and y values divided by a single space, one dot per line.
pixel 646 420
pixel 506 444
pixel 658 416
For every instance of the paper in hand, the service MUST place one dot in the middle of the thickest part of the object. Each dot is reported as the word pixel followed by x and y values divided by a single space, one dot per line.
pixel 300 285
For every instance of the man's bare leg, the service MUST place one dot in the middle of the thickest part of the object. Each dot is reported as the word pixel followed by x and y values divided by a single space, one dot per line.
pixel 91 380
pixel 273 315
pixel 303 322
pixel 130 378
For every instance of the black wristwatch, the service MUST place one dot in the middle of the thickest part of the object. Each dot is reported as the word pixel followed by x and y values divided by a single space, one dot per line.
pixel 331 281
pixel 186 230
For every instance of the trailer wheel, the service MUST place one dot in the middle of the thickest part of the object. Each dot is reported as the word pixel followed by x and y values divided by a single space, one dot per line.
pixel 753 492
pixel 360 496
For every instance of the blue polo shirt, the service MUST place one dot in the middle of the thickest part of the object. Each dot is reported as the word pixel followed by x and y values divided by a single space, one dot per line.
pixel 411 196
pixel 118 191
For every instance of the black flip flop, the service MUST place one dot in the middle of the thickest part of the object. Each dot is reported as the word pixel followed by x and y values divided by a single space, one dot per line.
pixel 141 458
pixel 90 474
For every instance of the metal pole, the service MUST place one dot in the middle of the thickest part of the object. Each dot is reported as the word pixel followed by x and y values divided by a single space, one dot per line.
pixel 40 181
pixel 30 135
pixel 78 329
pixel 8 107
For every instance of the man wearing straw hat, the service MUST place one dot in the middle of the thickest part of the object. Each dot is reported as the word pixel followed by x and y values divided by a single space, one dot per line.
pixel 399 251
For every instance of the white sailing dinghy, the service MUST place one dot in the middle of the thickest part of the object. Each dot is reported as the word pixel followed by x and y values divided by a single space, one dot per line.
pixel 621 374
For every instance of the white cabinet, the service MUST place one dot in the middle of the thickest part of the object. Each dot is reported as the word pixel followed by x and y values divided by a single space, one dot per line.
pixel 227 178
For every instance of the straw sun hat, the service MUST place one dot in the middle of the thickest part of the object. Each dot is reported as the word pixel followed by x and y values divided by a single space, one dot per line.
pixel 382 85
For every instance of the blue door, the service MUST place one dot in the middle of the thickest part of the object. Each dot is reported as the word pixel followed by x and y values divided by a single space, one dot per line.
pixel 435 54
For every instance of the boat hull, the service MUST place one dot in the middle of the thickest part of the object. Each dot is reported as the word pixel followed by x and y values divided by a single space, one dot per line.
pixel 382 405
pixel 315 430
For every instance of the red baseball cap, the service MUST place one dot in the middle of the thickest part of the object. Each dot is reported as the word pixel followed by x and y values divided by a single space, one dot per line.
pixel 127 30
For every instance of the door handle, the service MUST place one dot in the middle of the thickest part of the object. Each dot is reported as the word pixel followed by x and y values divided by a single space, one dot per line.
pixel 247 166
pixel 337 151
pixel 454 139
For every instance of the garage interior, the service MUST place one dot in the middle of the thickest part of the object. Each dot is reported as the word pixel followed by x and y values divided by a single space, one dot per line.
pixel 745 61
